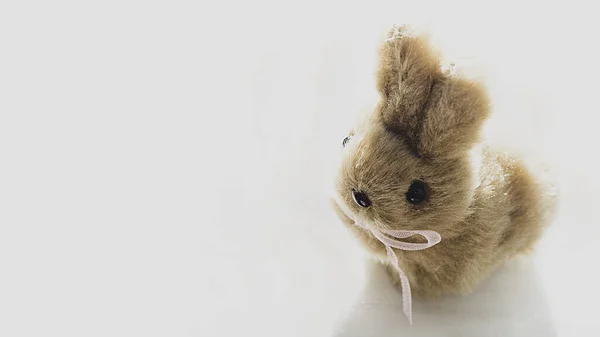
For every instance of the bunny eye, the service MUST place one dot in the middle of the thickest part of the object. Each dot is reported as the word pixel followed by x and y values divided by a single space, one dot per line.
pixel 346 140
pixel 417 192
pixel 361 199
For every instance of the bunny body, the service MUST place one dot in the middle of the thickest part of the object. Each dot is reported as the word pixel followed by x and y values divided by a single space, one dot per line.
pixel 418 163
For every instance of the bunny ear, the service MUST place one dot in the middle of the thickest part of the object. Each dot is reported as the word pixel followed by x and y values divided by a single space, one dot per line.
pixel 407 71
pixel 454 117
pixel 439 114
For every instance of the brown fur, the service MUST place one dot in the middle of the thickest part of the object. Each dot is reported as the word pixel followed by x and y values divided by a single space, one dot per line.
pixel 427 127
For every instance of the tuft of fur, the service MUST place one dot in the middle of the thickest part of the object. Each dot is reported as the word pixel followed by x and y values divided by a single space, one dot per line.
pixel 486 205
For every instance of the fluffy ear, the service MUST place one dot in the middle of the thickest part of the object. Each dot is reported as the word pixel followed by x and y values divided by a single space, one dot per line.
pixel 437 114
pixel 407 71
pixel 452 122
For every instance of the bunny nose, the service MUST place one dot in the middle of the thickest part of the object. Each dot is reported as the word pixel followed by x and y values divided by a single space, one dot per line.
pixel 361 199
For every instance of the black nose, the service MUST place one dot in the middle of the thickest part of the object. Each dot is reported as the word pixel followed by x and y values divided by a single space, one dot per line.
pixel 361 199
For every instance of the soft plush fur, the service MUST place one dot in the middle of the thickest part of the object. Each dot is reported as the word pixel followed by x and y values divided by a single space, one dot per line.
pixel 486 205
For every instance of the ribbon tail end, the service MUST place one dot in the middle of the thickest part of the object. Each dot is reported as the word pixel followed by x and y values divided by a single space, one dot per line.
pixel 409 317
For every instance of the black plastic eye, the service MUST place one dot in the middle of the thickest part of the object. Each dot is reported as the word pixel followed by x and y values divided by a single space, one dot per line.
pixel 417 192
pixel 346 140
pixel 361 199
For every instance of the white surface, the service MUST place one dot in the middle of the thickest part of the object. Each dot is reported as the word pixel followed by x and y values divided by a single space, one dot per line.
pixel 164 168
pixel 511 303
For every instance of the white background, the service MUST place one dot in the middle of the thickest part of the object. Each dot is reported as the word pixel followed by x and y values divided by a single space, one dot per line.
pixel 164 166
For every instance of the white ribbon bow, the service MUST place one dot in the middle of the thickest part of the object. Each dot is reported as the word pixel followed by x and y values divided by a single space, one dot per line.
pixel 386 237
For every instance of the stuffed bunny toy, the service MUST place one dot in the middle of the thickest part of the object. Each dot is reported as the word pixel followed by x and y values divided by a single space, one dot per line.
pixel 416 170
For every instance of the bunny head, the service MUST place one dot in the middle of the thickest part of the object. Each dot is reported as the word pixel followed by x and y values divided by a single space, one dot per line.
pixel 409 166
